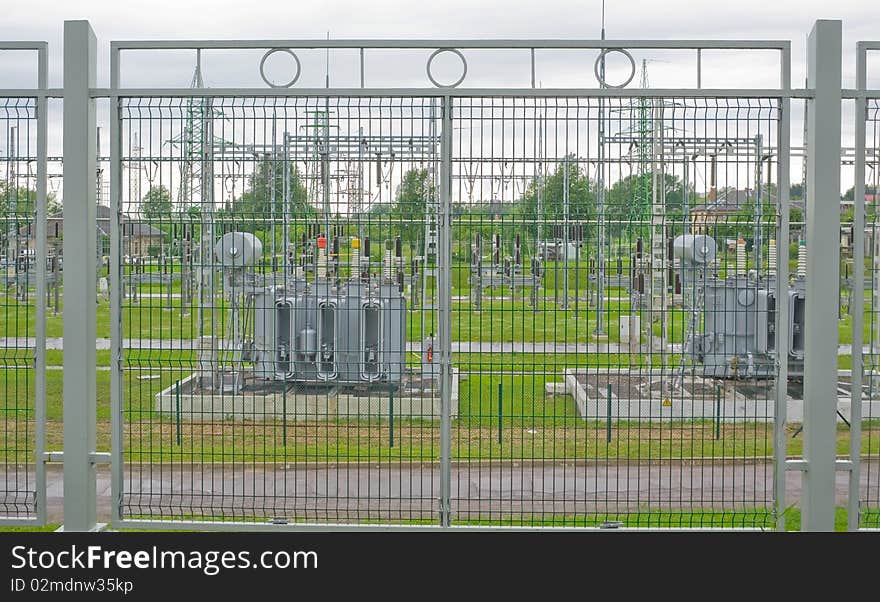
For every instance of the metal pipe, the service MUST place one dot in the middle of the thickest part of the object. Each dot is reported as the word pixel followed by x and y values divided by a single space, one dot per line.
pixel 500 411
pixel 444 293
pixel 858 297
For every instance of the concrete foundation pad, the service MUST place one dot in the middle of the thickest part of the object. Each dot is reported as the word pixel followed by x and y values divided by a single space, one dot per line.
pixel 727 405
pixel 299 403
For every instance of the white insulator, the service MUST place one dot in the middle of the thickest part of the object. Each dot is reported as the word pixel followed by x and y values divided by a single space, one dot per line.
pixel 322 264
pixel 388 266
pixel 740 257
pixel 771 258
pixel 802 260
pixel 355 262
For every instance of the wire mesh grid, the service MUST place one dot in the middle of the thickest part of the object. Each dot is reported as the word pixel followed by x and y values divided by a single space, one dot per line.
pixel 273 307
pixel 869 502
pixel 17 320
pixel 611 317
pixel 612 271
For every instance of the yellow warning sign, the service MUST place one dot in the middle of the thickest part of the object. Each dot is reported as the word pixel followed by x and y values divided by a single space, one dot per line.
pixel 667 403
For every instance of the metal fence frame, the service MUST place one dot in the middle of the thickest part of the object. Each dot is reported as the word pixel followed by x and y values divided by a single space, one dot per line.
pixel 446 95
pixel 861 95
pixel 80 92
pixel 41 94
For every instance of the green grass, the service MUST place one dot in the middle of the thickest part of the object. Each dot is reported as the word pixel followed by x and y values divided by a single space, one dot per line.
pixel 761 518
pixel 27 529
pixel 534 426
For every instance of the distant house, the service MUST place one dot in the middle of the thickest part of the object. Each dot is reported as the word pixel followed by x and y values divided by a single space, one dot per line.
pixel 137 236
pixel 726 203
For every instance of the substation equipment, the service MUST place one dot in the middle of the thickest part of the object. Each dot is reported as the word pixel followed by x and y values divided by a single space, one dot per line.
pixel 328 331
pixel 731 331
pixel 503 271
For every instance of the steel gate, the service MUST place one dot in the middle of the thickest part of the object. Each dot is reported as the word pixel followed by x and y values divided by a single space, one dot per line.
pixel 23 127
pixel 448 305
pixel 864 450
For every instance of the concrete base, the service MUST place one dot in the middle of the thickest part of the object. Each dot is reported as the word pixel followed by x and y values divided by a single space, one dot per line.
pixel 299 402
pixel 690 401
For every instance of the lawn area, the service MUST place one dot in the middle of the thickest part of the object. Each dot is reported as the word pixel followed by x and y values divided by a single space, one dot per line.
pixel 533 425
pixel 760 518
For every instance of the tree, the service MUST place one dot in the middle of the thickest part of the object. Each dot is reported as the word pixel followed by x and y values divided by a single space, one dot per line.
pixel 25 201
pixel 157 203
pixel 624 213
pixel 796 192
pixel 262 204
pixel 581 198
pixel 410 201
pixel 850 194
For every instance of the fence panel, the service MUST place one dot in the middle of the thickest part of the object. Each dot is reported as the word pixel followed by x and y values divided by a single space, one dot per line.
pixel 422 306
pixel 614 266
pixel 865 448
pixel 272 367
pixel 22 300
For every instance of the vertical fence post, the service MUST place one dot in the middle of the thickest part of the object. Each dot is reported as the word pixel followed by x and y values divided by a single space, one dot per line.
pixel 80 56
pixel 117 292
pixel 823 259
pixel 41 292
pixel 857 305
pixel 444 259
pixel 780 446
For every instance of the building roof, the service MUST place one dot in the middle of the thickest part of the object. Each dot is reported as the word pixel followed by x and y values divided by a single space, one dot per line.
pixel 732 200
pixel 55 226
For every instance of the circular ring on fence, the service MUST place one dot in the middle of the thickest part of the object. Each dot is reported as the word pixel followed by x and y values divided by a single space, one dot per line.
pixel 605 52
pixel 269 53
pixel 463 67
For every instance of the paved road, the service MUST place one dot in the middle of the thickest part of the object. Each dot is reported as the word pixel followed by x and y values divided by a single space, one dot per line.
pixel 409 491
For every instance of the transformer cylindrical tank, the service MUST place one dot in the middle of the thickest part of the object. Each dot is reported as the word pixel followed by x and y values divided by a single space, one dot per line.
pixel 238 250
pixel 308 343
pixel 695 249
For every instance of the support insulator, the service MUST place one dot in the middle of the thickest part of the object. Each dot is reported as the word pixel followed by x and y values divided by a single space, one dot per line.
pixel 802 260
pixel 771 257
pixel 740 257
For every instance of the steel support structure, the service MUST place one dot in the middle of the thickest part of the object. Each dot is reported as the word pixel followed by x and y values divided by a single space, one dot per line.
pixel 823 268
pixel 80 152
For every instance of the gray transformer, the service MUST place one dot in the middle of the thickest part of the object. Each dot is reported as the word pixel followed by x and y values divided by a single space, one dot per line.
pixel 321 332
pixel 739 330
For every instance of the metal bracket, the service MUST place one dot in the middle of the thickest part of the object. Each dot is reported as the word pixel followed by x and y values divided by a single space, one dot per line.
pixel 94 457
pixel 804 466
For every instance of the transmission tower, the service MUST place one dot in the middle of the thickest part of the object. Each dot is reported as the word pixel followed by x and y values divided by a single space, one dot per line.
pixel 192 142
pixel 641 206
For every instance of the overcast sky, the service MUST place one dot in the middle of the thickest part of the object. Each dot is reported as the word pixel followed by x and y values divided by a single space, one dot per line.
pixel 669 19
pixel 481 19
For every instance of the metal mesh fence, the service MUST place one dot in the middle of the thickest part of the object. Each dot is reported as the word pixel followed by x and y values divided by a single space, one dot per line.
pixel 869 500
pixel 18 305
pixel 613 306
pixel 274 304
pixel 611 326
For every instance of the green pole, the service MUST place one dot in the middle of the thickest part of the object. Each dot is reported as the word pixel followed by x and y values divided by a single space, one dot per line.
pixel 177 410
pixel 391 414
pixel 500 399
pixel 284 414
pixel 608 415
